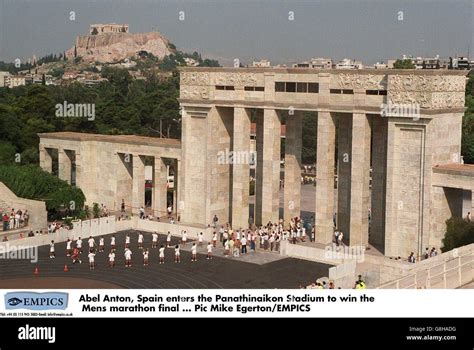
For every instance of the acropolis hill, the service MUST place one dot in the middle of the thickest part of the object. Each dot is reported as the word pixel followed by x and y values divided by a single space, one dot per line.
pixel 108 43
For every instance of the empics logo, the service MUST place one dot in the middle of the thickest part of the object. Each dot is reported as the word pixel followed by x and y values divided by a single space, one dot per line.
pixel 36 301
pixel 37 333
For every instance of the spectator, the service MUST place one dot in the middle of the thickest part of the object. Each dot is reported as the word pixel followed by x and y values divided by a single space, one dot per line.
pixel 5 220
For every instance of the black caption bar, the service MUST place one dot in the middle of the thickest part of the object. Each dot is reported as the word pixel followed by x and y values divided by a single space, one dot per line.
pixel 357 333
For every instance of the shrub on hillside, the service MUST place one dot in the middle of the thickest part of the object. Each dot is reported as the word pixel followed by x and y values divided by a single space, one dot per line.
pixel 32 182
pixel 459 232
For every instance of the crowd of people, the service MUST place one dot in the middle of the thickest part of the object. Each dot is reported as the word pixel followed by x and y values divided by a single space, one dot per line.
pixel 320 285
pixel 429 253
pixel 74 249
pixel 359 284
pixel 15 219
pixel 265 237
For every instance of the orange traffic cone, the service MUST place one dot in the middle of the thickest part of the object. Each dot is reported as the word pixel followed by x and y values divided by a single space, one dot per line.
pixel 37 271
pixel 66 268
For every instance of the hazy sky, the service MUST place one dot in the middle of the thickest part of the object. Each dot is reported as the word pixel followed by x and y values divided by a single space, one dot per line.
pixel 244 29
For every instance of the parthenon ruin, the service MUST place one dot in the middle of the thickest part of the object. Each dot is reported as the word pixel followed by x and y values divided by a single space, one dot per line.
pixel 405 167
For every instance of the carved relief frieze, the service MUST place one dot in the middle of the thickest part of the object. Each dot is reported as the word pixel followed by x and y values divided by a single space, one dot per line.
pixel 361 81
pixel 195 78
pixel 235 79
pixel 194 92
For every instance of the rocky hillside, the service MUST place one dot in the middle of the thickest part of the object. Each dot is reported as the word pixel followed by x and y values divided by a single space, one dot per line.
pixel 115 47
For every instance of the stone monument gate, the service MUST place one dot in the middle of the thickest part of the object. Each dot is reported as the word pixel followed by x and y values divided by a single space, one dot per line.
pixel 385 133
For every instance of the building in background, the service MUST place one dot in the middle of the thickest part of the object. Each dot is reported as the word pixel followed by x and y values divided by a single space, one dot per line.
pixel 347 63
pixel 261 64
pixel 316 63
pixel 108 28
pixel 3 76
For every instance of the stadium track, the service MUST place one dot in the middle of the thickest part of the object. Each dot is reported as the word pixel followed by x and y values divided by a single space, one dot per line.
pixel 220 272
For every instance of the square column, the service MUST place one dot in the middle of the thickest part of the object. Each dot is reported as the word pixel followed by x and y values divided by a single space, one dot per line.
pixel 293 145
pixel 46 161
pixel 325 149
pixel 159 187
pixel 64 165
pixel 205 185
pixel 124 180
pixel 268 167
pixel 379 182
pixel 177 207
pixel 344 142
pixel 472 205
pixel 360 178
pixel 241 168
pixel 138 183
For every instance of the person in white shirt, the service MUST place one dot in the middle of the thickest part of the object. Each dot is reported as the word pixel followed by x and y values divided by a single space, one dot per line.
pixel 91 242
pixel 194 252
pixel 225 238
pixel 101 244
pixel 272 241
pixel 112 242
pixel 265 241
pixel 339 238
pixel 112 258
pixel 127 241
pixel 243 242
pixel 140 240
pixel 162 254
pixel 226 248
pixel 214 239
pixel 128 257
pixel 68 247
pixel 209 251
pixel 221 233
pixel 79 245
pixel 154 240
pixel 91 259
pixel 184 238
pixel 145 257
pixel 168 239
pixel 176 254
pixel 200 238
pixel 52 254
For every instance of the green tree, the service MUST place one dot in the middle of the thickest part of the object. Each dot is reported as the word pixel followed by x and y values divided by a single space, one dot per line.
pixel 32 182
pixel 403 64
pixel 467 145
pixel 7 152
pixel 96 210
pixel 459 232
